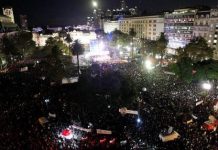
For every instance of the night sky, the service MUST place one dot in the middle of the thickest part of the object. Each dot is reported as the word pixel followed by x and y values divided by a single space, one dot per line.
pixel 69 12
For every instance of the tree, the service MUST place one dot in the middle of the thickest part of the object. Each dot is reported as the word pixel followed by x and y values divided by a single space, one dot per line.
pixel 132 34
pixel 24 43
pixel 9 49
pixel 198 49
pixel 69 40
pixel 161 46
pixel 62 34
pixel 183 68
pixel 77 50
pixel 117 38
pixel 2 60
pixel 52 43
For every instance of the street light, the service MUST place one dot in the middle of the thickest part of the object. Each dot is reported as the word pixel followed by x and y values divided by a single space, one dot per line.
pixel 148 65
pixel 206 86
pixel 138 120
pixel 95 4
pixel 144 89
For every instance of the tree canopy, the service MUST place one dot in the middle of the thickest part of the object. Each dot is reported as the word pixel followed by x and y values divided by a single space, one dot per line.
pixel 161 45
pixel 198 49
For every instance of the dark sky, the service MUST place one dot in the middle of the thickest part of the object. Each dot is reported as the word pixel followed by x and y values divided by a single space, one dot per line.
pixel 63 12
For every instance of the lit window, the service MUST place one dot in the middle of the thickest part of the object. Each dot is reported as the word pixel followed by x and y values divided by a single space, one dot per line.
pixel 215 35
pixel 209 41
pixel 214 41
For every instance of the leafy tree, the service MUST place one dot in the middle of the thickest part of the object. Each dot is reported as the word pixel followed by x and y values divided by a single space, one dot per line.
pixel 9 49
pixel 56 52
pixel 132 34
pixel 161 45
pixel 149 47
pixel 117 38
pixel 77 50
pixel 69 40
pixel 183 68
pixel 24 43
pixel 56 44
pixel 206 70
pixel 198 49
pixel 62 34
pixel 2 60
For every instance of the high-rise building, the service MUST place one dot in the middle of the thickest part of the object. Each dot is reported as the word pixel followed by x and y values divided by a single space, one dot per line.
pixel 110 26
pixel 178 27
pixel 201 24
pixel 146 27
pixel 8 11
pixel 213 31
pixel 23 22
pixel 7 20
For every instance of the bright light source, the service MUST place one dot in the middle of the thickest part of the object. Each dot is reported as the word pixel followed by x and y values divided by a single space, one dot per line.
pixel 206 86
pixel 47 100
pixel 118 46
pixel 95 4
pixel 138 120
pixel 121 53
pixel 67 134
pixel 144 89
pixel 101 46
pixel 148 65
pixel 128 48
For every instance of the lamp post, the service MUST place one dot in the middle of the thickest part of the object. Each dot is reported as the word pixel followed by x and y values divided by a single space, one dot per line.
pixel 206 86
pixel 94 4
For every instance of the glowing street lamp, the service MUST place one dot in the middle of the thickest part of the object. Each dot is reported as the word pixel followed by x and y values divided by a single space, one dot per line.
pixel 206 86
pixel 148 65
pixel 144 89
pixel 138 120
pixel 94 4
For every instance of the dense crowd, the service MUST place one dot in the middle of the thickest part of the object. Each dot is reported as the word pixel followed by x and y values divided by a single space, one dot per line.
pixel 96 98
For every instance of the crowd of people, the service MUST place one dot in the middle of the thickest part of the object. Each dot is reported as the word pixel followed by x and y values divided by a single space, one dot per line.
pixel 164 102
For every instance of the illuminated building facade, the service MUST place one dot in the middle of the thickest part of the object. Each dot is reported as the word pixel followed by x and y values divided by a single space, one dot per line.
pixel 84 37
pixel 8 11
pixel 213 31
pixel 201 24
pixel 146 27
pixel 110 26
pixel 7 20
pixel 179 26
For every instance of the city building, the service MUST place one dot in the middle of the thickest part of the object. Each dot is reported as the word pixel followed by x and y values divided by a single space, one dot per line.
pixel 85 37
pixel 101 16
pixel 201 24
pixel 110 26
pixel 8 11
pixel 23 22
pixel 178 27
pixel 7 21
pixel 213 31
pixel 146 27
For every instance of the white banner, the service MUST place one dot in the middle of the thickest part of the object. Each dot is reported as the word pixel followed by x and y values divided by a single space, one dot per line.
pixel 199 103
pixel 124 111
pixel 80 128
pixel 107 132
